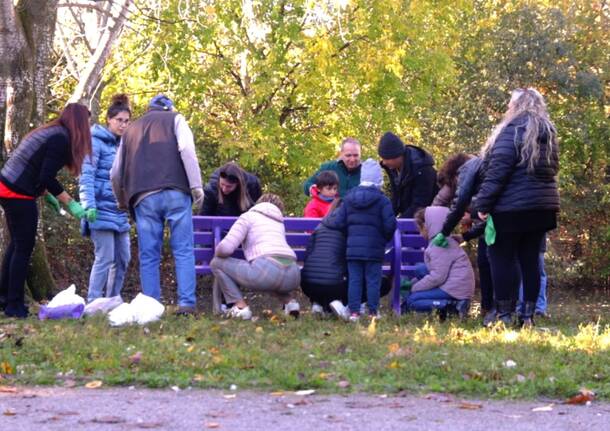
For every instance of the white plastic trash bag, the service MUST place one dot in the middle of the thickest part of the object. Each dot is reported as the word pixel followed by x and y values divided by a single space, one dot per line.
pixel 103 305
pixel 142 310
pixel 66 297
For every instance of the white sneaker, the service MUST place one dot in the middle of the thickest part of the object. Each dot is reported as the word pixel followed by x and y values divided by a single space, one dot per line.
pixel 340 310
pixel 363 308
pixel 292 308
pixel 223 309
pixel 317 309
pixel 239 313
pixel 354 317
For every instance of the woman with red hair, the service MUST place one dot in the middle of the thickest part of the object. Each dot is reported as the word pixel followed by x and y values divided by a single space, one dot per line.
pixel 30 172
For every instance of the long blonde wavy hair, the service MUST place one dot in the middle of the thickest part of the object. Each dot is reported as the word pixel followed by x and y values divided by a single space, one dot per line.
pixel 530 102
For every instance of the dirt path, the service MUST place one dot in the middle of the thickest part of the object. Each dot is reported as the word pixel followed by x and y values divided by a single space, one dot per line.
pixel 129 408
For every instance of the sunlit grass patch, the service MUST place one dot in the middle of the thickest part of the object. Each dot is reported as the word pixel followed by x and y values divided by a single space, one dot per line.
pixel 413 353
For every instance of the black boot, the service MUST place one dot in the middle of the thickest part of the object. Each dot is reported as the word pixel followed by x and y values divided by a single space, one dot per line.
pixel 527 314
pixel 489 317
pixel 506 307
pixel 463 308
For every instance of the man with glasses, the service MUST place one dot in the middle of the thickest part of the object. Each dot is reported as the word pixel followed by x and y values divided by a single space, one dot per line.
pixel 347 168
pixel 154 175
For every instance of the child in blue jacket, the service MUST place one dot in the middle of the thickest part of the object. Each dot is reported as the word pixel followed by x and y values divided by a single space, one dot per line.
pixel 368 218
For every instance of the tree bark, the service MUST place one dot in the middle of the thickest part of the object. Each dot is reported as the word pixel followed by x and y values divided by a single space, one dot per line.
pixel 26 39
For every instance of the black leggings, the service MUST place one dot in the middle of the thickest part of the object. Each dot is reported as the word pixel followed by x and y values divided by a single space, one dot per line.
pixel 325 294
pixel 485 280
pixel 22 219
pixel 514 257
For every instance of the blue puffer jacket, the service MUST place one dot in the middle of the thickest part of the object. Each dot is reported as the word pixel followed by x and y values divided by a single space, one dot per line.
pixel 94 184
pixel 368 217
pixel 507 186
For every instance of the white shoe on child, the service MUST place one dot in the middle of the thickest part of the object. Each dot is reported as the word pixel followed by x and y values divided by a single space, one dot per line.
pixel 292 308
pixel 317 309
pixel 340 310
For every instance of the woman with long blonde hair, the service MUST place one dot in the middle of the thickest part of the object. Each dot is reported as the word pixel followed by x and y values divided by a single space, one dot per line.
pixel 521 162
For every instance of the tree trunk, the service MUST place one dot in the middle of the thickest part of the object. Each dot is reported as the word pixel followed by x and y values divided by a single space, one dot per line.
pixel 26 40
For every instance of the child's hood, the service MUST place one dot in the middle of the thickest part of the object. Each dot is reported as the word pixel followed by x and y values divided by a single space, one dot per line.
pixel 435 218
pixel 364 196
pixel 269 210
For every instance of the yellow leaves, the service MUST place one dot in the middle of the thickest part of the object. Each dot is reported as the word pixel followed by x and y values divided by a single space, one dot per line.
pixel 394 365
pixel 6 368
pixel 371 330
pixel 584 396
pixel 94 384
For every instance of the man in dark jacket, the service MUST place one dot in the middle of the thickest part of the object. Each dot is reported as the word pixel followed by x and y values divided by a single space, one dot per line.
pixel 411 173
pixel 347 168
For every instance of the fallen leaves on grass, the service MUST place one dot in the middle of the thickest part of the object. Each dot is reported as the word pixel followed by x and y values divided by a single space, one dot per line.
pixel 584 396
pixel 372 328
pixel 94 384
pixel 135 358
pixel 6 368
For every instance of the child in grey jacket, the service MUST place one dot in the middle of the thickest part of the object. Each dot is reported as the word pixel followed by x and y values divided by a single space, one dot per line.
pixel 450 278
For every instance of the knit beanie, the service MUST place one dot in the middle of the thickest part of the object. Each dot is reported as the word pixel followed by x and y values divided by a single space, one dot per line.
pixel 370 173
pixel 161 101
pixel 390 146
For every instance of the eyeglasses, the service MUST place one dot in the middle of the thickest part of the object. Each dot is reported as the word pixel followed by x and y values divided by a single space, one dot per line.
pixel 229 177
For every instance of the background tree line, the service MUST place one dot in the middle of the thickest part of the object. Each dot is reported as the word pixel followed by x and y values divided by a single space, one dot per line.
pixel 277 84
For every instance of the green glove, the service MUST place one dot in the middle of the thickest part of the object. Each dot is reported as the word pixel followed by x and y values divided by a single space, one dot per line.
pixel 76 209
pixel 52 202
pixel 490 231
pixel 405 285
pixel 91 214
pixel 440 241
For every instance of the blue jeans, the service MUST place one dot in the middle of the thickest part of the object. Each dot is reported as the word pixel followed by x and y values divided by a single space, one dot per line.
pixel 428 300
pixel 112 256
pixel 541 301
pixel 360 272
pixel 173 207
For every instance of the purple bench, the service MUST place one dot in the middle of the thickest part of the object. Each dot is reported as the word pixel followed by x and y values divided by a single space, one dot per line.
pixel 209 230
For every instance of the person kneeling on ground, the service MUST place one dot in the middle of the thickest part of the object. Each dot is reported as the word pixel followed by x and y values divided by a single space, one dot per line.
pixel 450 278
pixel 270 264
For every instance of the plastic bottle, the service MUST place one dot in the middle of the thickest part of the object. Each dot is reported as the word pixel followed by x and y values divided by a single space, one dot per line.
pixel 70 311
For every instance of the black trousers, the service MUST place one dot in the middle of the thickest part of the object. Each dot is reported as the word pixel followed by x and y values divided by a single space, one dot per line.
pixel 485 280
pixel 325 294
pixel 22 219
pixel 514 257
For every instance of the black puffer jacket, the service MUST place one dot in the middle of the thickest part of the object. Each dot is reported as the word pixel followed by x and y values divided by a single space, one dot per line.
pixel 230 205
pixel 470 178
pixel 415 187
pixel 507 186
pixel 366 214
pixel 325 262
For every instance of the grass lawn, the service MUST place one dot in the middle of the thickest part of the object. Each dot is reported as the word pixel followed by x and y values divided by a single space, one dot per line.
pixel 417 354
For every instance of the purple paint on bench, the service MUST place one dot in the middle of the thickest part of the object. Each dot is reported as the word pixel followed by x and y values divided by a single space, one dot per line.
pixel 209 231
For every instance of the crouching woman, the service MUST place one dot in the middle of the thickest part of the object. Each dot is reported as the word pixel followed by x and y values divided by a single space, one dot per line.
pixel 269 265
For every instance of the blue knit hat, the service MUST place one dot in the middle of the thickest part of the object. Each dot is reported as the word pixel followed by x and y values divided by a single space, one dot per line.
pixel 370 173
pixel 161 101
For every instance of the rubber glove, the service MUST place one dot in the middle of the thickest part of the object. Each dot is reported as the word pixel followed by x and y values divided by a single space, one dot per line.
pixel 52 202
pixel 490 231
pixel 91 214
pixel 76 209
pixel 198 195
pixel 440 241
pixel 405 285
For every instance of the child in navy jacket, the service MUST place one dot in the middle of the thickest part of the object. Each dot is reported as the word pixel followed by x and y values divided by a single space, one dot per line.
pixel 368 218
